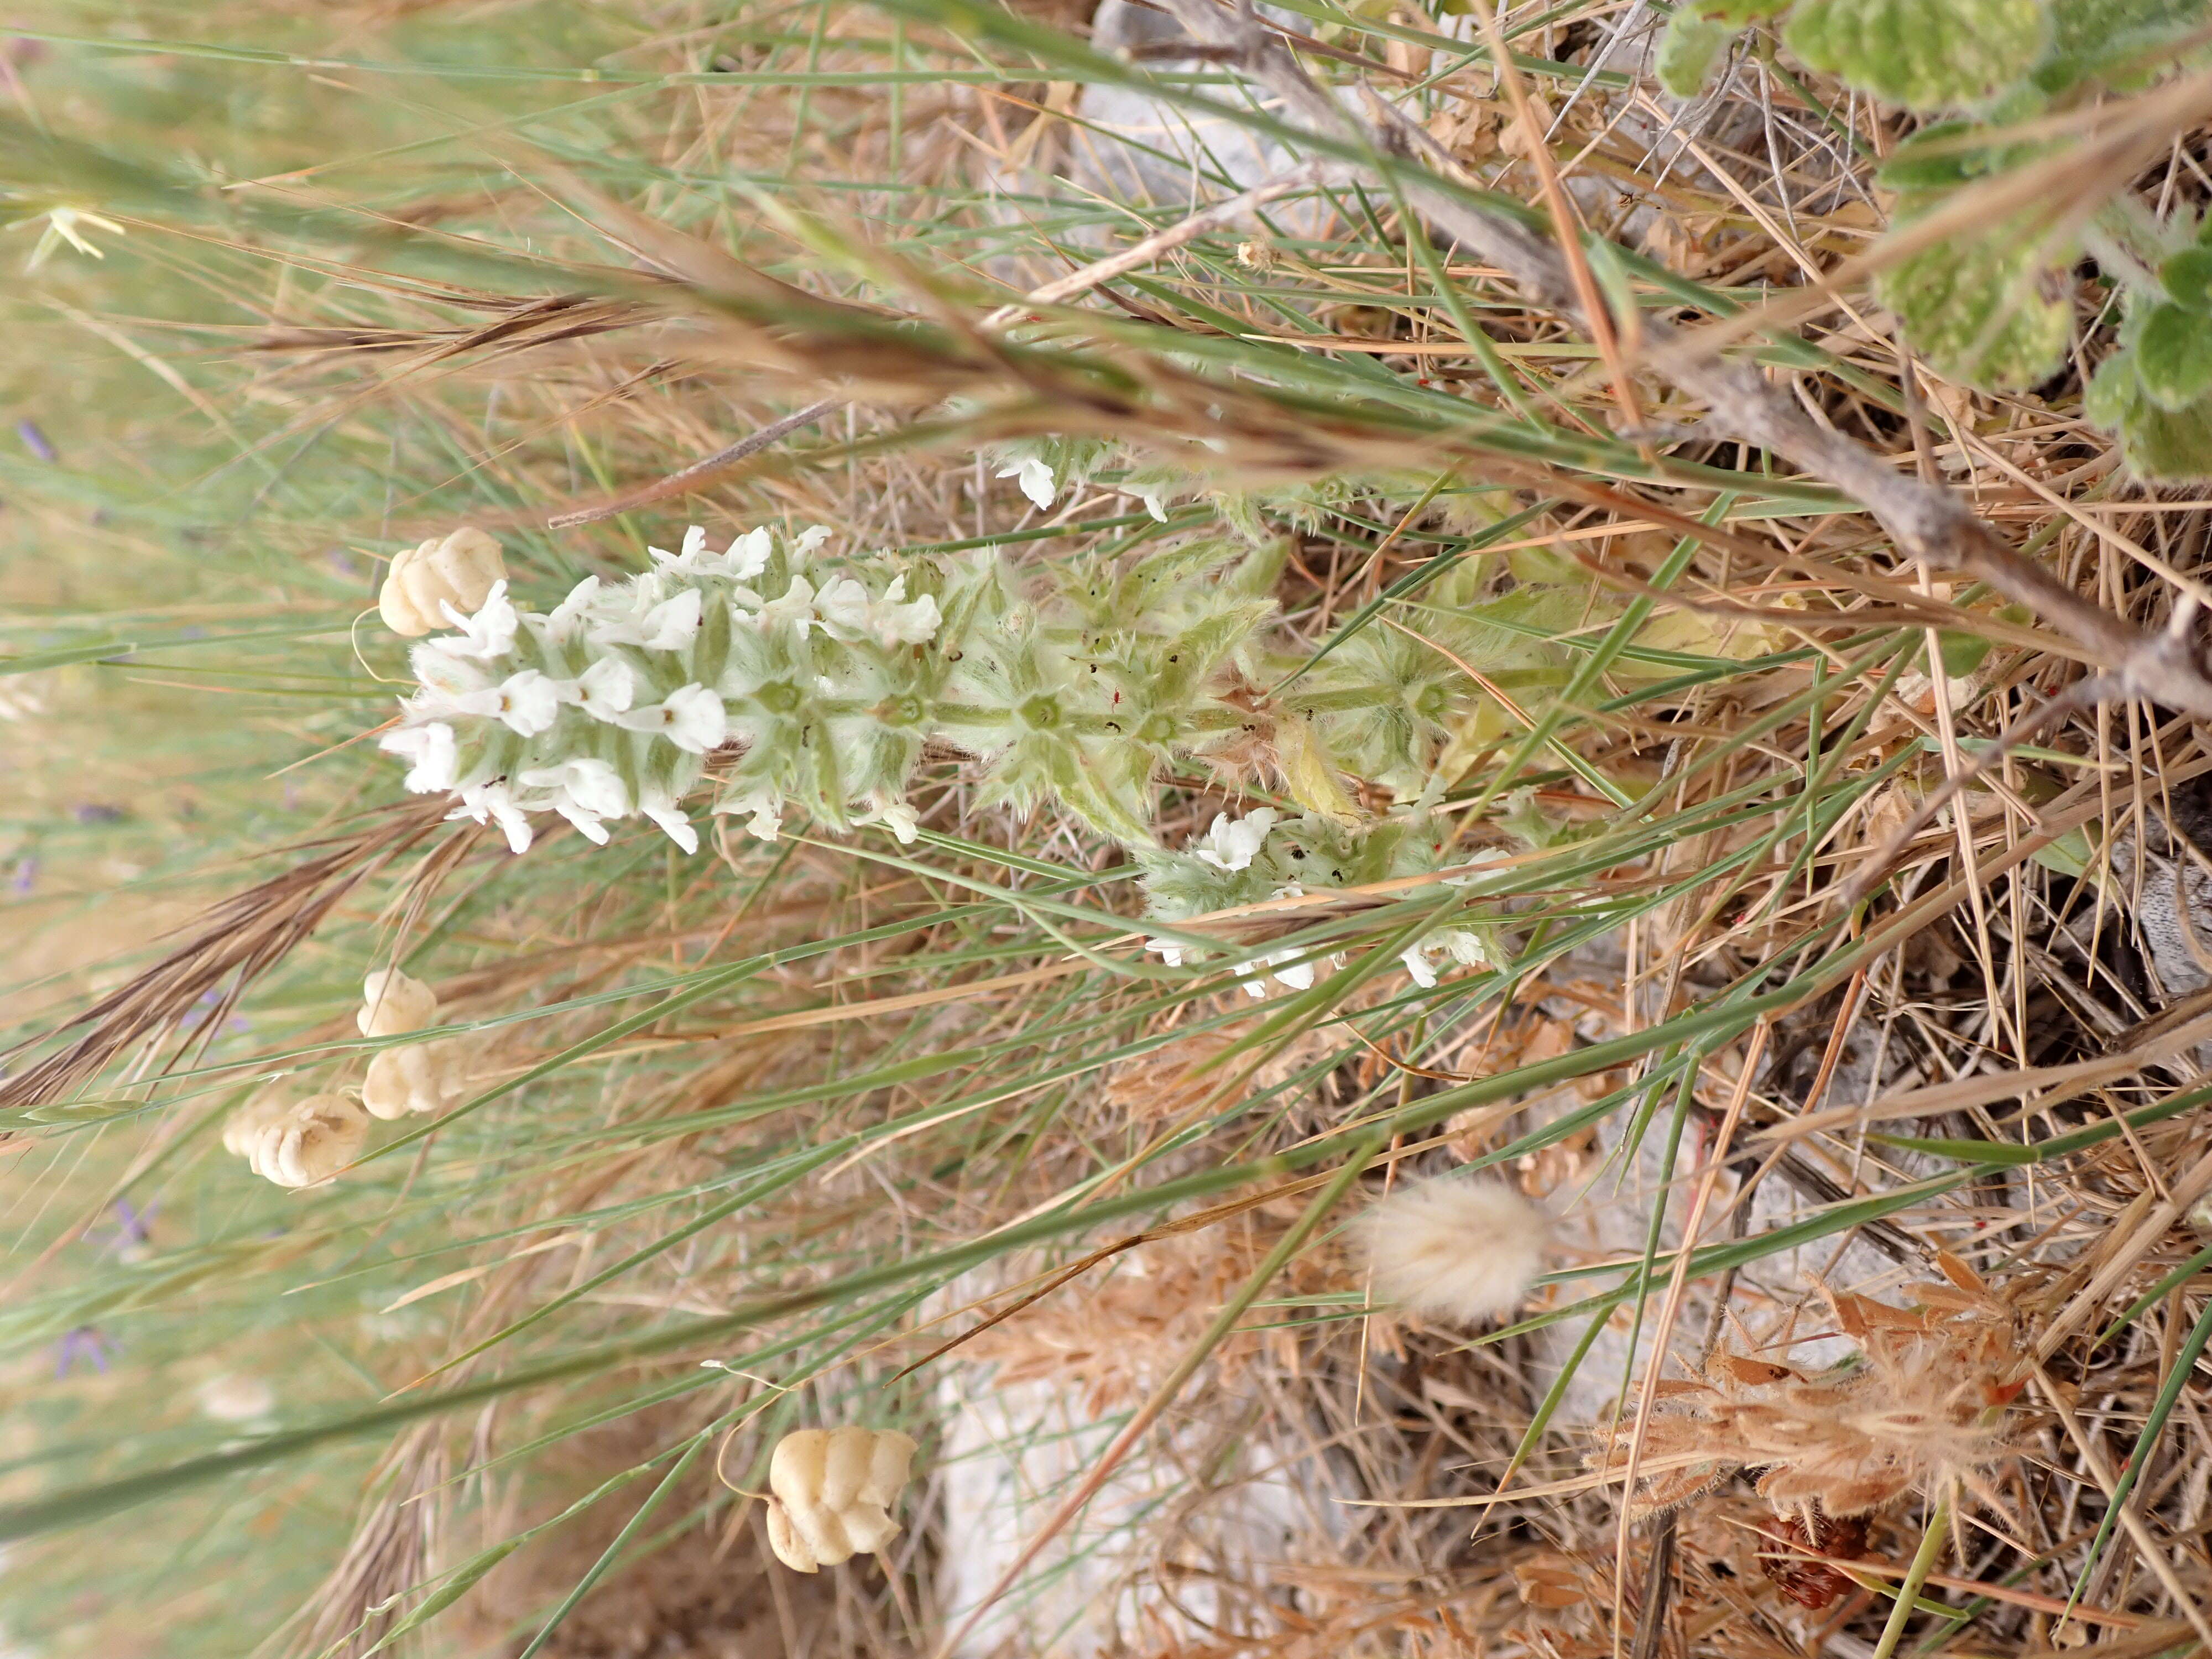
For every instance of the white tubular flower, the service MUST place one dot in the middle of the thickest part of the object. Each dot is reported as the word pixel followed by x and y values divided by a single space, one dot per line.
pixel 1153 504
pixel 669 624
pixel 1234 846
pixel 310 1142
pixel 529 704
pixel 833 1492
pixel 583 791
pixel 433 755
pixel 691 717
pixel 808 538
pixel 459 570
pixel 1034 479
pixel 1171 953
pixel 846 609
pixel 1299 977
pixel 606 688
pixel 393 1003
pixel 895 816
pixel 495 802
pixel 659 805
pixel 746 557
pixel 1461 945
pixel 900 621
pixel 849 612
pixel 564 619
pixel 424 1077
pixel 765 806
pixel 489 634
pixel 795 609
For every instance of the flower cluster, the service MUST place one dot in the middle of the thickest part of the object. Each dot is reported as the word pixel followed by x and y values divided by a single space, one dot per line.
pixel 1248 861
pixel 824 684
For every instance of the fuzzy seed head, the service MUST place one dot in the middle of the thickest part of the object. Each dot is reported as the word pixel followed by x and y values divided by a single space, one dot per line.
pixel 1455 1249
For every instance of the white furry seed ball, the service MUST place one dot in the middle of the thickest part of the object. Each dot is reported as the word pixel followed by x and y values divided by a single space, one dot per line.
pixel 1452 1249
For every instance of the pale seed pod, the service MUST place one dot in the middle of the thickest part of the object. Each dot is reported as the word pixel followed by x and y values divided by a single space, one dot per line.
pixel 459 570
pixel 313 1140
pixel 245 1126
pixel 833 1492
pixel 424 1077
pixel 394 1004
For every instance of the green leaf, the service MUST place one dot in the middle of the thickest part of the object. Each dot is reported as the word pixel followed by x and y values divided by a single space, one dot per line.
pixel 2167 446
pixel 2118 41
pixel 1944 156
pixel 2173 356
pixel 1688 50
pixel 1923 54
pixel 1982 310
pixel 2188 277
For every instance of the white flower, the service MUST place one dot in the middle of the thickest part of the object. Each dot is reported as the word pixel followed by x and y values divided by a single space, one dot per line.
pixel 530 703
pixel 582 791
pixel 810 538
pixel 1234 846
pixel 765 806
pixel 659 805
pixel 1299 977
pixel 606 688
pixel 561 623
pixel 846 609
pixel 458 570
pixel 669 624
pixel 489 632
pixel 848 612
pixel 1034 479
pixel 1151 498
pixel 486 802
pixel 913 622
pixel 446 667
pixel 895 816
pixel 1171 953
pixel 796 607
pixel 745 558
pixel 691 717
pixel 433 754
pixel 1461 945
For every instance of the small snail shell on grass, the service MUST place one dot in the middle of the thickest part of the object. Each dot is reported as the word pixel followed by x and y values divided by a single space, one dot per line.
pixel 393 1004
pixel 424 1077
pixel 459 570
pixel 833 1492
pixel 310 1142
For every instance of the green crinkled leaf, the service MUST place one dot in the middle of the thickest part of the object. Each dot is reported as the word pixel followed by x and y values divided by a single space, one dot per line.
pixel 1687 51
pixel 1739 12
pixel 2188 277
pixel 2160 444
pixel 1982 311
pixel 2173 356
pixel 1946 155
pixel 1923 54
pixel 2118 41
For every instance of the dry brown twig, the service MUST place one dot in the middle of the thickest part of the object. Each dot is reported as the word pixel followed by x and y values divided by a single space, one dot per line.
pixel 1926 521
